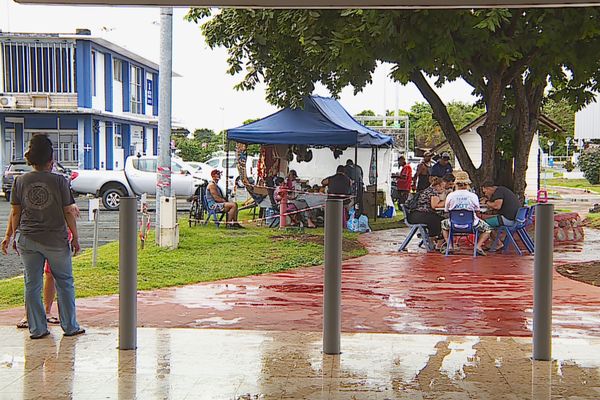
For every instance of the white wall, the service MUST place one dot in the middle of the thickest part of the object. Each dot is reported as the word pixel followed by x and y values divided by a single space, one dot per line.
pixel 98 101
pixel 324 164
pixel 472 143
pixel 117 97
pixel 587 122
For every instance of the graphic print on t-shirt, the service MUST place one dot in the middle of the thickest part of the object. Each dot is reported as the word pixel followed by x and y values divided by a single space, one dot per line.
pixel 37 196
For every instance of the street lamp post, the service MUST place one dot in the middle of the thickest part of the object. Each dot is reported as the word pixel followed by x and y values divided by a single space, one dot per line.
pixel 568 140
pixel 550 160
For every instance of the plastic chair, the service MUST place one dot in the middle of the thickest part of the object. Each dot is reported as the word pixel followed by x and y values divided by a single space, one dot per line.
pixel 462 222
pixel 211 212
pixel 521 222
pixel 414 228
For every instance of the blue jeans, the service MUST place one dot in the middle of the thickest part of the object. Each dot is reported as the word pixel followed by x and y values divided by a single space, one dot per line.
pixel 33 255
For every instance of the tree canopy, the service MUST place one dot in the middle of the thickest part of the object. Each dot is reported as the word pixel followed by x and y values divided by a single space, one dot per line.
pixel 508 56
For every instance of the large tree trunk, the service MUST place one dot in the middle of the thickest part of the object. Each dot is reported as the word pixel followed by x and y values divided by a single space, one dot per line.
pixel 528 102
pixel 487 132
pixel 504 171
pixel 440 113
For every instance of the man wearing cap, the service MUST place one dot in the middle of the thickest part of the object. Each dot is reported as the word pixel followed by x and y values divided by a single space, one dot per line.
pixel 442 167
pixel 463 199
pixel 216 200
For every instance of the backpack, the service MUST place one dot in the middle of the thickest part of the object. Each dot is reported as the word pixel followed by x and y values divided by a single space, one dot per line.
pixel 412 202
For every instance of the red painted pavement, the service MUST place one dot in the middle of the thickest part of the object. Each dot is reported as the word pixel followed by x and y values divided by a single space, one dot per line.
pixel 382 292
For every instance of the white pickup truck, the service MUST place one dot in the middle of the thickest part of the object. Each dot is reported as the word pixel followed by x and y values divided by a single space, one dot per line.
pixel 139 176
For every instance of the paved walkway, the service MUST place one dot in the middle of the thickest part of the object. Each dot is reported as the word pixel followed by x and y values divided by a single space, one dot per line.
pixel 384 291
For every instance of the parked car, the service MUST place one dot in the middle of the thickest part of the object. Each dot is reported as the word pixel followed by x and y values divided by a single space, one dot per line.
pixel 220 163
pixel 20 167
pixel 201 168
pixel 138 176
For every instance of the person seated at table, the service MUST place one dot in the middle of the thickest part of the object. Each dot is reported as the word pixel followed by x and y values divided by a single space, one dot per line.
pixel 294 187
pixel 448 185
pixel 425 212
pixel 338 184
pixel 216 201
pixel 463 199
pixel 501 200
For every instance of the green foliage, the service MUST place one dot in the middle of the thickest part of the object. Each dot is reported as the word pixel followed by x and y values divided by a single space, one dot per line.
pixel 497 51
pixel 563 113
pixel 589 163
pixel 569 166
pixel 427 130
pixel 204 254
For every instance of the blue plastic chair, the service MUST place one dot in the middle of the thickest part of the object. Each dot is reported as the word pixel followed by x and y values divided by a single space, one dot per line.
pixel 523 219
pixel 462 223
pixel 211 212
pixel 414 228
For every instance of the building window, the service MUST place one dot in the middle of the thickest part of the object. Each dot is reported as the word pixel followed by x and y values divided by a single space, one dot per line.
pixel 38 67
pixel 118 142
pixel 117 70
pixel 136 89
pixel 93 73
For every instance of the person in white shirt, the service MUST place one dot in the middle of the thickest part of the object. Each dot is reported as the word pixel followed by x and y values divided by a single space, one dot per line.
pixel 463 199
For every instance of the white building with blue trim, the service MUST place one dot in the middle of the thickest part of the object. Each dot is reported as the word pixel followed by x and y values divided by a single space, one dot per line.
pixel 96 101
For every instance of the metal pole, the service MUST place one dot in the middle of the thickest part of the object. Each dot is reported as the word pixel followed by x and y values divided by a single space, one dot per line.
pixel 332 280
pixel 376 178
pixel 163 176
pixel 95 242
pixel 542 282
pixel 127 273
pixel 226 170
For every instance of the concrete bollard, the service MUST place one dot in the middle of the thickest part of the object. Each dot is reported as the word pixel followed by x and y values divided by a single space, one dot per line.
pixel 128 273
pixel 542 282
pixel 332 280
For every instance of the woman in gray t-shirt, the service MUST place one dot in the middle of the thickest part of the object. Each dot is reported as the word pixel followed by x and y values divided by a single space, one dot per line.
pixel 41 203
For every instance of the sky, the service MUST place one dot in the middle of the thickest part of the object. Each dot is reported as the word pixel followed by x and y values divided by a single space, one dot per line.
pixel 204 97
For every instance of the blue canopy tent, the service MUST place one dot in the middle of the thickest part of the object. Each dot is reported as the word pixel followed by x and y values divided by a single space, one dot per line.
pixel 322 122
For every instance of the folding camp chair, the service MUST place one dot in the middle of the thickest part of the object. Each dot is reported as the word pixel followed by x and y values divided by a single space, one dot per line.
pixel 414 228
pixel 211 212
pixel 521 223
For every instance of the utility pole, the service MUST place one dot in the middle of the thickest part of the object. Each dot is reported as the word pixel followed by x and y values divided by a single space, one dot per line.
pixel 163 176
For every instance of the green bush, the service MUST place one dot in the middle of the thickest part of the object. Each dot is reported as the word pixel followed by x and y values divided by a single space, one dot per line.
pixel 589 163
pixel 569 166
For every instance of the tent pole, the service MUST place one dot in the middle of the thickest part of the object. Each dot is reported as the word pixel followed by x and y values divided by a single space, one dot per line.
pixel 356 191
pixel 376 177
pixel 227 170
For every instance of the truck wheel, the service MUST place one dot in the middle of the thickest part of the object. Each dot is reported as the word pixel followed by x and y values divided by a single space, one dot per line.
pixel 111 197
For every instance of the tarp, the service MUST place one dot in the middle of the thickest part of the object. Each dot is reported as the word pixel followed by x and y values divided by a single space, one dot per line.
pixel 322 122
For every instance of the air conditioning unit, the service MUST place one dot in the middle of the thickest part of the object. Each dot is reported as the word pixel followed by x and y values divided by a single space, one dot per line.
pixel 8 102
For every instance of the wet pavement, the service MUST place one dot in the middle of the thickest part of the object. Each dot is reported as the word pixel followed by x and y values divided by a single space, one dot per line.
pixel 384 291
pixel 244 365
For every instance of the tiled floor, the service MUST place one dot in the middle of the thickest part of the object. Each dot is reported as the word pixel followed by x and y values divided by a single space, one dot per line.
pixel 232 364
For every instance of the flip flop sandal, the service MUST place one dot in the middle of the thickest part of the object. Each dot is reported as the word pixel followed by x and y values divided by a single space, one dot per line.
pixel 53 320
pixel 42 335
pixel 77 332
pixel 23 324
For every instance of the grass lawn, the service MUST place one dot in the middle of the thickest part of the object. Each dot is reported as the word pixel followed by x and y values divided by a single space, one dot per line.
pixel 574 183
pixel 388 223
pixel 593 220
pixel 205 253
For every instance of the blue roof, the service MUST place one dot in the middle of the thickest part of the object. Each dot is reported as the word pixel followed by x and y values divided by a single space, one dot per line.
pixel 322 122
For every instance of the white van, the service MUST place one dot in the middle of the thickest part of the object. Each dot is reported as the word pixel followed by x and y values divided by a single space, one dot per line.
pixel 221 162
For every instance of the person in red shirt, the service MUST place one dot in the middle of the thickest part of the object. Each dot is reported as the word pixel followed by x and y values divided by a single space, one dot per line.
pixel 403 180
